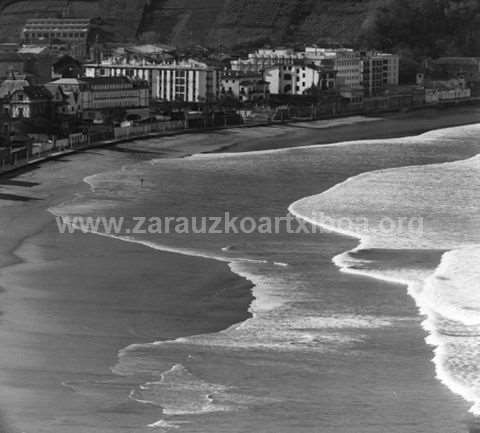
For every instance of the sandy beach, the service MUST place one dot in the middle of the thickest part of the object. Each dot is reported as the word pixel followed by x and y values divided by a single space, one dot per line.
pixel 71 302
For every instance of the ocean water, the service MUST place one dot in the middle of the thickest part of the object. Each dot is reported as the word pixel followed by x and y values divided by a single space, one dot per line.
pixel 323 350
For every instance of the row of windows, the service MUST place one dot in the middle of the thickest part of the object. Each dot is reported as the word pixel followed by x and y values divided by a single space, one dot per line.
pixel 38 35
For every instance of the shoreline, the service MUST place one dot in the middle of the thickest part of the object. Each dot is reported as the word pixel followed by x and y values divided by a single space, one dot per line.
pixel 101 242
pixel 390 125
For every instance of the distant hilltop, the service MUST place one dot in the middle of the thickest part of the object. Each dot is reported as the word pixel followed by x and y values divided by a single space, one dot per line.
pixel 211 23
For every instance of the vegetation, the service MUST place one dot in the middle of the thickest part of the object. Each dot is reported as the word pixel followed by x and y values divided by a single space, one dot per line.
pixel 418 29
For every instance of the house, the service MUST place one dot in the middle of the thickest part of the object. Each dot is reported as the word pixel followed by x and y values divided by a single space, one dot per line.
pixel 244 87
pixel 29 102
pixel 12 83
pixel 69 96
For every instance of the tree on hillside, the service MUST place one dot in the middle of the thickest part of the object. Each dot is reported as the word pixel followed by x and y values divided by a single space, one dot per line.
pixel 418 29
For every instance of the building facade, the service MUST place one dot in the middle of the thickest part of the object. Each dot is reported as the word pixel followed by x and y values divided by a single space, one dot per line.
pixel 264 59
pixel 297 79
pixel 75 97
pixel 379 70
pixel 186 81
pixel 73 32
pixel 345 62
pixel 114 92
pixel 245 87
pixel 29 102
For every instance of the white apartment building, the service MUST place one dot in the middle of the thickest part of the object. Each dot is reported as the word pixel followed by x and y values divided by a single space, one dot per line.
pixel 188 81
pixel 379 71
pixel 297 79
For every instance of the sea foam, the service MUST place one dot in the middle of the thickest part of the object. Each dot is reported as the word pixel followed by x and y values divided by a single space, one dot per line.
pixel 448 197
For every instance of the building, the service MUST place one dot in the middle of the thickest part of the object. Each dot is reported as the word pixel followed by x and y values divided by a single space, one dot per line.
pixel 455 67
pixel 244 87
pixel 298 79
pixel 447 90
pixel 12 83
pixel 345 62
pixel 114 92
pixel 29 103
pixel 187 81
pixel 70 96
pixel 379 70
pixel 264 59
pixel 86 96
pixel 71 33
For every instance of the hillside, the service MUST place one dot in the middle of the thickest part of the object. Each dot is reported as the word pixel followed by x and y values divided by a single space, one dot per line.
pixel 207 22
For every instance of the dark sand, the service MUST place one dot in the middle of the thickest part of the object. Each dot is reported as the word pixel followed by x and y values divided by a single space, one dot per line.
pixel 84 299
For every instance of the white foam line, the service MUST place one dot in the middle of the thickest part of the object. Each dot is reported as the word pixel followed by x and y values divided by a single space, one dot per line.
pixel 425 136
pixel 433 339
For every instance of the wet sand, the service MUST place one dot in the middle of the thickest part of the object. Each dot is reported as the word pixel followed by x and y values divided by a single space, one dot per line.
pixel 70 304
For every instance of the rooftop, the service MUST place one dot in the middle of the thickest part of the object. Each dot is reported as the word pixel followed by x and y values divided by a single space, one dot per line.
pixel 36 92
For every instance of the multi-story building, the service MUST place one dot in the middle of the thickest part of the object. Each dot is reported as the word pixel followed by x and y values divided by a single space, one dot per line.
pixel 345 62
pixel 114 92
pixel 188 81
pixel 99 93
pixel 380 70
pixel 73 32
pixel 244 87
pixel 297 79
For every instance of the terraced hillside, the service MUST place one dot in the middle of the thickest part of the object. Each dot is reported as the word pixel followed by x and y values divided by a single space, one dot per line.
pixel 207 22
pixel 230 22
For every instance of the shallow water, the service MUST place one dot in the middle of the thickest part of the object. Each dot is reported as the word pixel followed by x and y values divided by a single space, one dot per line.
pixel 323 350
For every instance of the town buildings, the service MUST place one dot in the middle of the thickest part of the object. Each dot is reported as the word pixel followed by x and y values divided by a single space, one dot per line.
pixel 186 81
pixel 354 70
